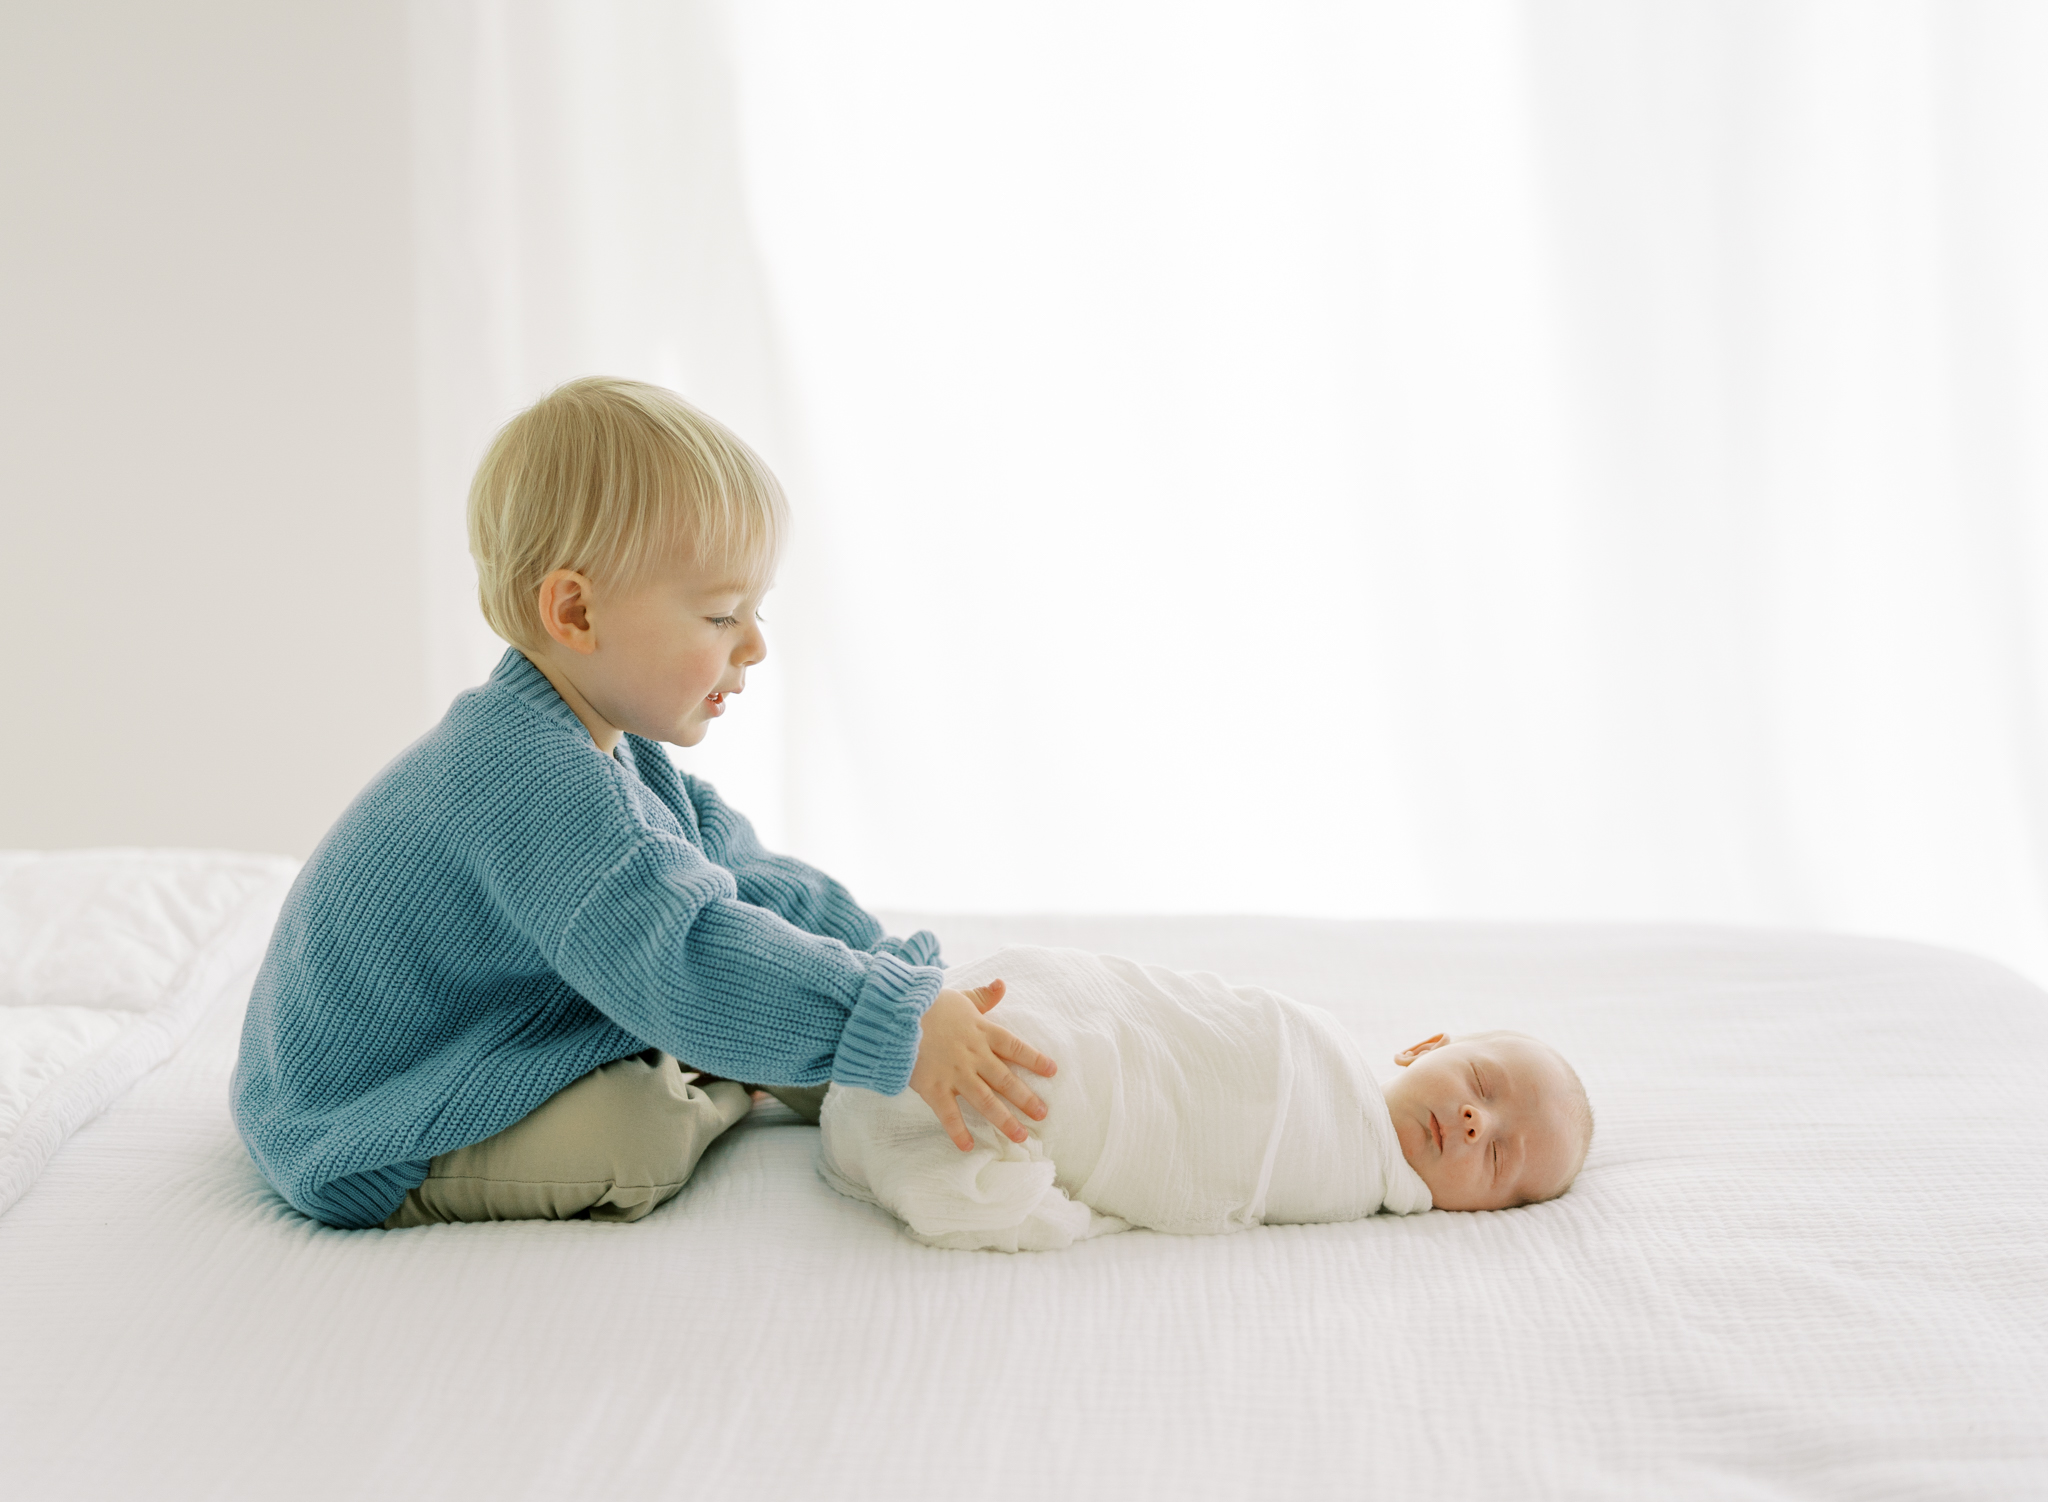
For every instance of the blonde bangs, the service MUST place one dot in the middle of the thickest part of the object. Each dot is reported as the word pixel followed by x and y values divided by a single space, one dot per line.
pixel 612 477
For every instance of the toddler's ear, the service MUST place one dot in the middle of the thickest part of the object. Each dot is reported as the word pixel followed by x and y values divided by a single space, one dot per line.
pixel 564 599
pixel 1415 1051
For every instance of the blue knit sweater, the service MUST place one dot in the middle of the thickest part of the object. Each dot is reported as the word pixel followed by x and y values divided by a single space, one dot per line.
pixel 504 909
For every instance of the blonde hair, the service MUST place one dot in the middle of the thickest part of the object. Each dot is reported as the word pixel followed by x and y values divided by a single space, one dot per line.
pixel 607 477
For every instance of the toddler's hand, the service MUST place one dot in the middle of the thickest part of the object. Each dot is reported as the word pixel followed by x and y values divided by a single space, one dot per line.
pixel 961 1053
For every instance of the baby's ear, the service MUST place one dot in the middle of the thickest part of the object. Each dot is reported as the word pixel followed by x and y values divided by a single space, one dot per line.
pixel 1415 1051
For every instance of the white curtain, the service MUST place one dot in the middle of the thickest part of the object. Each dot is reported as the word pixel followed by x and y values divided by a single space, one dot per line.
pixel 1494 460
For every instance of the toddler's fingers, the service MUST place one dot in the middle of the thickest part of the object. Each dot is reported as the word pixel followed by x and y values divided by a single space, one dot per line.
pixel 990 1105
pixel 986 996
pixel 1016 1092
pixel 1007 1045
pixel 953 1124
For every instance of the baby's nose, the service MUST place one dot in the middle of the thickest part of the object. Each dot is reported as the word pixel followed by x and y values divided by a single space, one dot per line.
pixel 1472 1123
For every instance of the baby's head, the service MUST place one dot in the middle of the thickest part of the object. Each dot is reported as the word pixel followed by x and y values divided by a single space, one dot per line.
pixel 1491 1120
pixel 623 541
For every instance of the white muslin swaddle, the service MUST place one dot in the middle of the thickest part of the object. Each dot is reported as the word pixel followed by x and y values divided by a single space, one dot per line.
pixel 1181 1103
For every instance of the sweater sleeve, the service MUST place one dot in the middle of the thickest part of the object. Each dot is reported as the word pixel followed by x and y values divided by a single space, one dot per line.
pixel 796 892
pixel 665 947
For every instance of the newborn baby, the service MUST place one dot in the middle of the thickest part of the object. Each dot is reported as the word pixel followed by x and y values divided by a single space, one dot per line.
pixel 1188 1105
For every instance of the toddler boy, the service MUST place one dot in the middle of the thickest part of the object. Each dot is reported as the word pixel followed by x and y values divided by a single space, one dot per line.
pixel 479 992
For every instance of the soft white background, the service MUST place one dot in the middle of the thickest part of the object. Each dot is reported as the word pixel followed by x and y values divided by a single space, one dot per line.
pixel 1503 460
pixel 208 427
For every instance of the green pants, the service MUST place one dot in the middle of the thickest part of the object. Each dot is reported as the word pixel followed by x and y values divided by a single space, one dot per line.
pixel 616 1143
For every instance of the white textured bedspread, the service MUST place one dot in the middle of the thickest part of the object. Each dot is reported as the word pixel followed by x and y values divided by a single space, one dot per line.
pixel 108 960
pixel 1179 1102
pixel 1806 1259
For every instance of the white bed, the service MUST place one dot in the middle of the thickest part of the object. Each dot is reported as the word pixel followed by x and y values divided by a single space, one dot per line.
pixel 1806 1259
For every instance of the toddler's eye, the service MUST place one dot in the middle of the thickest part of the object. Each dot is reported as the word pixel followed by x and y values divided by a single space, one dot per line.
pixel 723 621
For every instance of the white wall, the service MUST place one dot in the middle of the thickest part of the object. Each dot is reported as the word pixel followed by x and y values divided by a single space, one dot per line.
pixel 1509 460
pixel 208 476
pixel 1506 460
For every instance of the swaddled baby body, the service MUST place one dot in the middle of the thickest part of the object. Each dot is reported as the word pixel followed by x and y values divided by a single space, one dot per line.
pixel 1188 1105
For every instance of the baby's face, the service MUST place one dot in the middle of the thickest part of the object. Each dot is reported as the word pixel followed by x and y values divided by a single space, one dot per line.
pixel 1486 1122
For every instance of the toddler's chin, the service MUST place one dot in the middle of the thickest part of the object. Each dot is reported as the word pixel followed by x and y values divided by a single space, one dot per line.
pixel 687 728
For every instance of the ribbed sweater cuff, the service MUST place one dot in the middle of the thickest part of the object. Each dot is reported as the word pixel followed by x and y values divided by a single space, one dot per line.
pixel 879 1045
pixel 921 948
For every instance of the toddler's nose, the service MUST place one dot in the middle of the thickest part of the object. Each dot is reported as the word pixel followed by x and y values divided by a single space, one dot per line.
pixel 1472 1122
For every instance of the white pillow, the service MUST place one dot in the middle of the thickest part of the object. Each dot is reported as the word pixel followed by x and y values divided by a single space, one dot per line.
pixel 108 958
